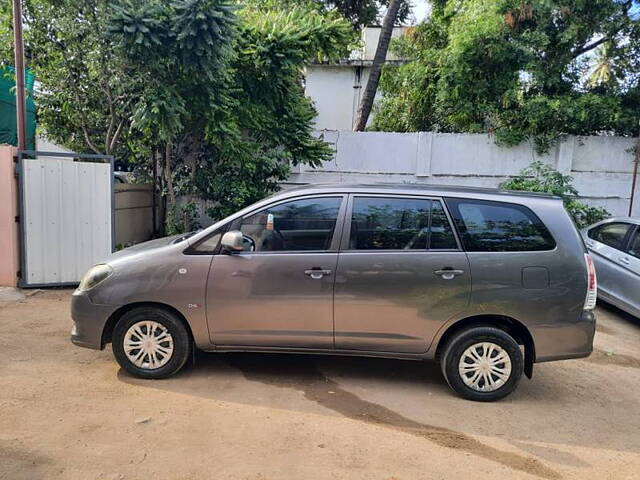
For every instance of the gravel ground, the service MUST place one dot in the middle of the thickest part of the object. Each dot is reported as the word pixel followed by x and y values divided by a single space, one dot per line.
pixel 71 413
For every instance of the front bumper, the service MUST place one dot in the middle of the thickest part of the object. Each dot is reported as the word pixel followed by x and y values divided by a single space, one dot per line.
pixel 89 321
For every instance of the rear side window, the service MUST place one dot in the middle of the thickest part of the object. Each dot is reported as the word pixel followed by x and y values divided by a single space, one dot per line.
pixel 382 223
pixel 487 226
pixel 611 234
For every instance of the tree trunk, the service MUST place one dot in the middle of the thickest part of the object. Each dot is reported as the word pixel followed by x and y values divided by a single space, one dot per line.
pixel 168 173
pixel 154 190
pixel 364 110
pixel 158 158
pixel 169 200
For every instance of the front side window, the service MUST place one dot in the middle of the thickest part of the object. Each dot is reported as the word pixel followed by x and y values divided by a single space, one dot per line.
pixel 298 225
pixel 487 226
pixel 611 234
pixel 379 223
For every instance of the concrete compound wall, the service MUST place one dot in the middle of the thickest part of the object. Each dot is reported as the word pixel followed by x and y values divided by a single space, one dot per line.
pixel 134 213
pixel 601 166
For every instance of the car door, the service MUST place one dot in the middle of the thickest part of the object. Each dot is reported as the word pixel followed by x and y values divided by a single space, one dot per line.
pixel 279 291
pixel 400 275
pixel 607 242
pixel 628 287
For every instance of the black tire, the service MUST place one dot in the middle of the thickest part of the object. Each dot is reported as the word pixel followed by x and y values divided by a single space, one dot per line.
pixel 457 345
pixel 182 343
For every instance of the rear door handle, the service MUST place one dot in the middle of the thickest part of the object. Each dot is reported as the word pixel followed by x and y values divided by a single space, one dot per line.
pixel 448 273
pixel 624 260
pixel 317 273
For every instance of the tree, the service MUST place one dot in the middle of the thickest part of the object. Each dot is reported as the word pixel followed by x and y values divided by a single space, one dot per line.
pixel 85 101
pixel 274 117
pixel 516 69
pixel 227 108
pixel 366 103
pixel 539 177
pixel 179 54
pixel 602 72
pixel 362 13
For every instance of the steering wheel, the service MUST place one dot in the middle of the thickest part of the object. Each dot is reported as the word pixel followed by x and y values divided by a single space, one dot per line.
pixel 273 240
pixel 284 242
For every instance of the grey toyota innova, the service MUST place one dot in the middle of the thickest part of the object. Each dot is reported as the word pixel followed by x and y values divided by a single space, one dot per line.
pixel 487 282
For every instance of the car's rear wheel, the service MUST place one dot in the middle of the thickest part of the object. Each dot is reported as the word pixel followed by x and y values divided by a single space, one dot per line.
pixel 482 363
pixel 151 342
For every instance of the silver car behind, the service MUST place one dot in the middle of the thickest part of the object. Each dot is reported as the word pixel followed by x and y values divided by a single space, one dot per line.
pixel 615 246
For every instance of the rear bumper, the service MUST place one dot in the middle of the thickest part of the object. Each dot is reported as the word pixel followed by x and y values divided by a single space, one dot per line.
pixel 89 321
pixel 572 339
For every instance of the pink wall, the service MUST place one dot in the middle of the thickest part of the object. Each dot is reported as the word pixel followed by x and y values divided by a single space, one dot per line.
pixel 9 247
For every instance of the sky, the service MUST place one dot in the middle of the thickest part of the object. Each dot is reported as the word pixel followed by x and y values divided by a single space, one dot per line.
pixel 420 9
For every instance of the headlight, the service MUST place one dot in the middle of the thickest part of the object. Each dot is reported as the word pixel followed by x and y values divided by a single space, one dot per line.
pixel 94 276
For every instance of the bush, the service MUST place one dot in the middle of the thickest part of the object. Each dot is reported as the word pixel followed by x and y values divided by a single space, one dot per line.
pixel 540 177
pixel 182 218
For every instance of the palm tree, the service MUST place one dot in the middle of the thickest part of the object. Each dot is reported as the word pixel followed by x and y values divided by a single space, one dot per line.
pixel 364 110
pixel 601 73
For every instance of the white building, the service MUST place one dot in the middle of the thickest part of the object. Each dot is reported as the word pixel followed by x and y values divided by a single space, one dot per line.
pixel 336 88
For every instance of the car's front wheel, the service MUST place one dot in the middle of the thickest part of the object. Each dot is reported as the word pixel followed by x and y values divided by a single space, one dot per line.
pixel 151 342
pixel 482 363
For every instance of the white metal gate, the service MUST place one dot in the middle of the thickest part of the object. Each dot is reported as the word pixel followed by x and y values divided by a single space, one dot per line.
pixel 66 215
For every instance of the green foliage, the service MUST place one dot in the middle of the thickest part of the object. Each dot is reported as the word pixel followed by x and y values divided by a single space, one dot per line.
pixel 181 52
pixel 540 177
pixel 233 109
pixel 85 99
pixel 6 35
pixel 517 69
pixel 181 218
pixel 360 13
pixel 272 114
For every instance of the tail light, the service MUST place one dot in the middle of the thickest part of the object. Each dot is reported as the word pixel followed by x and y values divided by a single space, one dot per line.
pixel 592 283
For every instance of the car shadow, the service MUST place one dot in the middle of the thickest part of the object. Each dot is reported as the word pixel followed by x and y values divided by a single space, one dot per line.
pixel 321 380
pixel 410 396
pixel 619 313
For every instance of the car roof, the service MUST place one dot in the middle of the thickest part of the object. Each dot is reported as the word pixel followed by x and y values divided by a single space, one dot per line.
pixel 412 188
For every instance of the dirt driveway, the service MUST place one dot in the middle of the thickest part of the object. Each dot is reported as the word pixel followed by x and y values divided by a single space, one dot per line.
pixel 71 413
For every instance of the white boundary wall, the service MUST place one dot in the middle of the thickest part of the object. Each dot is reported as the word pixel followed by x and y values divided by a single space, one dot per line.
pixel 601 166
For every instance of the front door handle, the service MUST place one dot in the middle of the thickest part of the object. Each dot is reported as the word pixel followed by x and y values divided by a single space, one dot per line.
pixel 317 273
pixel 448 273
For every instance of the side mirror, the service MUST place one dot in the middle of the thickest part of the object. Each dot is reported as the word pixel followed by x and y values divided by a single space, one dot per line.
pixel 232 242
